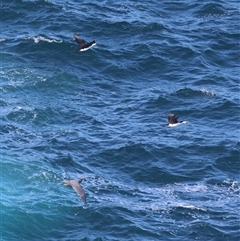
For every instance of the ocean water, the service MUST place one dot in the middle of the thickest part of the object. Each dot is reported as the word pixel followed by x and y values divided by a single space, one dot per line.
pixel 102 114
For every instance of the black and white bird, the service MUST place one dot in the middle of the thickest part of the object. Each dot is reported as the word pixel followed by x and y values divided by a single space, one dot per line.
pixel 82 44
pixel 76 186
pixel 173 120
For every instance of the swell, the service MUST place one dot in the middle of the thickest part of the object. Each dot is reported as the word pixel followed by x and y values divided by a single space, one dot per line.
pixel 192 201
pixel 102 114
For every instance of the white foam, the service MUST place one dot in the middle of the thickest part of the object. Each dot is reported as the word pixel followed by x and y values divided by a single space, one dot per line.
pixel 207 92
pixel 40 38
pixel 191 207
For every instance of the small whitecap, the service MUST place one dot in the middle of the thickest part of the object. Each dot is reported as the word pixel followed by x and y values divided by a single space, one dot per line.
pixel 41 38
pixel 44 174
pixel 192 207
pixel 196 188
pixel 208 92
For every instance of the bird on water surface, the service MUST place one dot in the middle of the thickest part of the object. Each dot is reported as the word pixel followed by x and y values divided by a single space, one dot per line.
pixel 77 187
pixel 82 44
pixel 173 120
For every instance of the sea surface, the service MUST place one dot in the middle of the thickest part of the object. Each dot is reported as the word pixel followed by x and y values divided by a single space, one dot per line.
pixel 102 114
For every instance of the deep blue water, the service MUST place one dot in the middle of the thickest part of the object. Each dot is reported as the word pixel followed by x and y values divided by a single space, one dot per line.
pixel 102 114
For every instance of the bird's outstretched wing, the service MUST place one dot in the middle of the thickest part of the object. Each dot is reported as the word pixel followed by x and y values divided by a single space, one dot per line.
pixel 79 41
pixel 79 190
pixel 172 119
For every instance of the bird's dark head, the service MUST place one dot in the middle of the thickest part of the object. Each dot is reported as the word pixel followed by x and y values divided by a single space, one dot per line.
pixel 81 179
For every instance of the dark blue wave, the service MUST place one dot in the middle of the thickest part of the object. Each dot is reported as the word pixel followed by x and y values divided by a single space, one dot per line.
pixel 102 114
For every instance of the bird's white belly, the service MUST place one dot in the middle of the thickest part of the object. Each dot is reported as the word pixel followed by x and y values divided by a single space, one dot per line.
pixel 85 49
pixel 177 124
pixel 172 125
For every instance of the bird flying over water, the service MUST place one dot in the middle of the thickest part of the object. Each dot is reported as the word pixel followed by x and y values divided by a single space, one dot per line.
pixel 76 186
pixel 173 120
pixel 82 44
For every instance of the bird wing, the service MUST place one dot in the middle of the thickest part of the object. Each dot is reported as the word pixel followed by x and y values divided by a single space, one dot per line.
pixel 172 119
pixel 78 189
pixel 79 41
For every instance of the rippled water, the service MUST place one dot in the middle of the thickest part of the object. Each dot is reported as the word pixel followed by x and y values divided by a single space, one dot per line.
pixel 101 114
